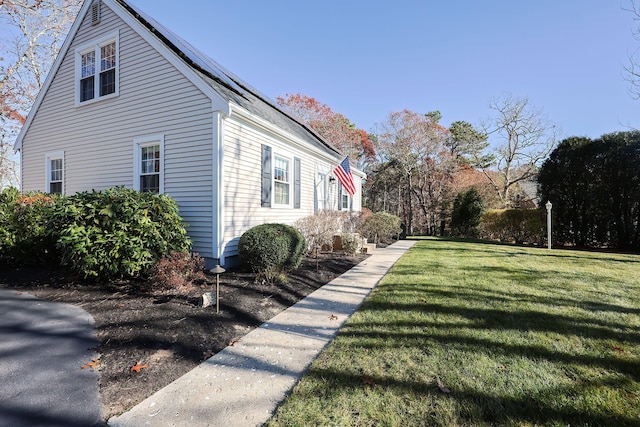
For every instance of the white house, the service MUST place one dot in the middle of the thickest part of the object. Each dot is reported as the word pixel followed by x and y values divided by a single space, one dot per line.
pixel 129 103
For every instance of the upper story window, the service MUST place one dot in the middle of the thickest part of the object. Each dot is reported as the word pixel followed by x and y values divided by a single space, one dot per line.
pixel 97 69
pixel 281 180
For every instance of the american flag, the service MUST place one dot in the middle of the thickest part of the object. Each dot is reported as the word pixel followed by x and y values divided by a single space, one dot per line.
pixel 343 173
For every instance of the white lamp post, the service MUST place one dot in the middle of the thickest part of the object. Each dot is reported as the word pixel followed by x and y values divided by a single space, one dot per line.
pixel 548 206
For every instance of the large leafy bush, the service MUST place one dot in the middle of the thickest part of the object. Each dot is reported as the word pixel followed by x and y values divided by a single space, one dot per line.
pixel 271 249
pixel 25 224
pixel 8 199
pixel 118 232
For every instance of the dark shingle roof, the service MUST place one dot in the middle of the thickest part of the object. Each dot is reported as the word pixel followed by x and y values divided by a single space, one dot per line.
pixel 228 85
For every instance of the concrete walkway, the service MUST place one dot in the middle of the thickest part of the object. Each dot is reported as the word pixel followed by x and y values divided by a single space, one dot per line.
pixel 43 344
pixel 244 383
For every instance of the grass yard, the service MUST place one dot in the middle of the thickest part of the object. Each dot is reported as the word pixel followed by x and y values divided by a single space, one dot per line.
pixel 470 334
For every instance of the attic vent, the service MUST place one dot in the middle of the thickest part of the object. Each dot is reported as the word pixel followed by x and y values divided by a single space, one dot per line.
pixel 95 12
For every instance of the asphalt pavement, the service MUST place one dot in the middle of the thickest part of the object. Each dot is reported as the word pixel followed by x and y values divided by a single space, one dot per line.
pixel 43 345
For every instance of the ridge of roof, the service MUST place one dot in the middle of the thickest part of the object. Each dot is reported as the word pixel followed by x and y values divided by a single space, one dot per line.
pixel 212 69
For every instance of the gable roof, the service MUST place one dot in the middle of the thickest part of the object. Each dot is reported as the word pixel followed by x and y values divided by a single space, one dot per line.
pixel 226 84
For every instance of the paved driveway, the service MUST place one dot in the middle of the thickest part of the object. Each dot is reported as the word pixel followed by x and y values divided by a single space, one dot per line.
pixel 43 344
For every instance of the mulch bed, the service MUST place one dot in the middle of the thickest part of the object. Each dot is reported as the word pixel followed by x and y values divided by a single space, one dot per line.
pixel 170 334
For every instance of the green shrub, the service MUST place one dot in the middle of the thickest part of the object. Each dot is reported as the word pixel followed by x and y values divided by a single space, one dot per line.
pixel 8 198
pixel 380 227
pixel 26 235
pixel 118 232
pixel 514 225
pixel 350 243
pixel 467 213
pixel 271 250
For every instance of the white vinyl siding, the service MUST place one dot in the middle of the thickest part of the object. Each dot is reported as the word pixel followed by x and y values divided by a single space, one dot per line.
pixel 154 98
pixel 242 177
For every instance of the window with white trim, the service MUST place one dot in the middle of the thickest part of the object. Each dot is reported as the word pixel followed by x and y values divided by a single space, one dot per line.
pixel 322 192
pixel 281 181
pixel 344 199
pixel 149 164
pixel 54 169
pixel 97 69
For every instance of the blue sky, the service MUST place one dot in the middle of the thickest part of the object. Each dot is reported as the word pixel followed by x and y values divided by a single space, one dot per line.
pixel 366 59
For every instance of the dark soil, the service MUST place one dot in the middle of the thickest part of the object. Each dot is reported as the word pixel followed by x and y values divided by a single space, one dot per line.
pixel 170 333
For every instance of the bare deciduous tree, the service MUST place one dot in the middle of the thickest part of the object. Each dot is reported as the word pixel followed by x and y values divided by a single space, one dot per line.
pixel 411 147
pixel 525 137
pixel 632 70
pixel 32 33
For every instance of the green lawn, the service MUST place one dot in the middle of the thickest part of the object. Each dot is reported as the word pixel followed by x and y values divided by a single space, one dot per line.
pixel 480 334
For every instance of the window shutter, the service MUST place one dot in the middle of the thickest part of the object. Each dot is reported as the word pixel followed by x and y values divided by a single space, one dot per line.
pixel 339 196
pixel 266 176
pixel 296 183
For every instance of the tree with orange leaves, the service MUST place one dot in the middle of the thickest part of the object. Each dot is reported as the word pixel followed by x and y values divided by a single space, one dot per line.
pixel 334 127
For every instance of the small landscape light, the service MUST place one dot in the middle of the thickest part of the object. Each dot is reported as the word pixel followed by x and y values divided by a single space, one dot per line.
pixel 217 270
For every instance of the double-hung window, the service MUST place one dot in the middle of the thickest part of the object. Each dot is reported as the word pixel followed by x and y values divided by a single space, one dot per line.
pixel 281 180
pixel 108 69
pixel 149 164
pixel 97 69
pixel 54 170
pixel 344 199
pixel 150 168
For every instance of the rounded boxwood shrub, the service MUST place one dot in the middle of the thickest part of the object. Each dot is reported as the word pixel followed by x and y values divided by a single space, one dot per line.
pixel 271 249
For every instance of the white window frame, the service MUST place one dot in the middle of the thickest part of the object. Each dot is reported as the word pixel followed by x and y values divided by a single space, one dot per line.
pixel 322 190
pixel 138 145
pixel 48 158
pixel 95 46
pixel 289 182
pixel 345 202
